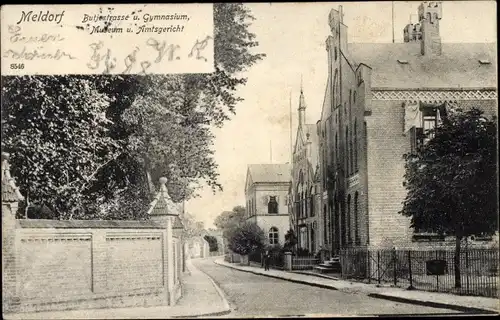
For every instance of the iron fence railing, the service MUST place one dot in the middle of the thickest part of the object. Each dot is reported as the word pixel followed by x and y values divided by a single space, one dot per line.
pixel 276 259
pixel 412 269
pixel 304 262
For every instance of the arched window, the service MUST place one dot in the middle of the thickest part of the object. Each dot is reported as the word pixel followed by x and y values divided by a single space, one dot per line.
pixel 356 165
pixel 325 233
pixel 273 236
pixel 311 202
pixel 336 147
pixel 348 169
pixel 348 218
pixel 356 217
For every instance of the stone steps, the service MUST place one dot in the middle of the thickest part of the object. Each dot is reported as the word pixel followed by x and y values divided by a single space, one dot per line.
pixel 329 266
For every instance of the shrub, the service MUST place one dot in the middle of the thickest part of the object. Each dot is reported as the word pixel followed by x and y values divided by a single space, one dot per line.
pixel 247 238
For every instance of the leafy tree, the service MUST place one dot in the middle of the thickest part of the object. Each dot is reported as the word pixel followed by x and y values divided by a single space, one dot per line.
pixel 191 227
pixel 290 240
pixel 57 127
pixel 228 221
pixel 212 242
pixel 247 238
pixel 83 146
pixel 452 180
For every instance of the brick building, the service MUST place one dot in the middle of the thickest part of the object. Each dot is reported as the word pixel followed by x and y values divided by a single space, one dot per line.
pixel 304 196
pixel 266 190
pixel 379 97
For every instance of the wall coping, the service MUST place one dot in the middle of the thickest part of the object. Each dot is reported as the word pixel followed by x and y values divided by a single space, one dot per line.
pixel 88 224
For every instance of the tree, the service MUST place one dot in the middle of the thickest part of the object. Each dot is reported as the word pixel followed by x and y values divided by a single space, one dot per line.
pixel 290 240
pixel 452 180
pixel 212 242
pixel 191 227
pixel 139 125
pixel 228 221
pixel 57 128
pixel 247 238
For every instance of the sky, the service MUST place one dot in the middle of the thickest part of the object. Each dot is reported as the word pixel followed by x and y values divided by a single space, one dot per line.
pixel 293 35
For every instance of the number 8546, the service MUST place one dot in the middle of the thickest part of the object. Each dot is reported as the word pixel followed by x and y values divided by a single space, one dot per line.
pixel 17 66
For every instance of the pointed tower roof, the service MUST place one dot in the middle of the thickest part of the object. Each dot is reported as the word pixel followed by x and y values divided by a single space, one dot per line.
pixel 302 100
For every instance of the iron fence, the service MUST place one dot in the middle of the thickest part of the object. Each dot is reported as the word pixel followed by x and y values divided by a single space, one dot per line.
pixel 304 262
pixel 276 259
pixel 256 257
pixel 413 269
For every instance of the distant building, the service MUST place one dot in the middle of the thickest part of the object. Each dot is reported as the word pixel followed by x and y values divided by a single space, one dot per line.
pixel 379 101
pixel 266 190
pixel 304 198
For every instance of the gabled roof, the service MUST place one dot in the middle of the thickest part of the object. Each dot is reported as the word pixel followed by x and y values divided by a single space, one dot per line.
pixel 269 173
pixel 457 67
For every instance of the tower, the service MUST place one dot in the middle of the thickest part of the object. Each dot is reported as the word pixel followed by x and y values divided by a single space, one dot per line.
pixel 302 108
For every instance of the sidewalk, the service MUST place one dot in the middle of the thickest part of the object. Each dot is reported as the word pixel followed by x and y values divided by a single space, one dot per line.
pixel 469 304
pixel 201 297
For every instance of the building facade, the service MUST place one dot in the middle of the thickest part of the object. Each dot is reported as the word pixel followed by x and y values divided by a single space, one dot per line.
pixel 266 190
pixel 304 196
pixel 379 101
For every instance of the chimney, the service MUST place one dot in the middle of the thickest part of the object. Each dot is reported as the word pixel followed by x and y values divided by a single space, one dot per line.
pixel 429 14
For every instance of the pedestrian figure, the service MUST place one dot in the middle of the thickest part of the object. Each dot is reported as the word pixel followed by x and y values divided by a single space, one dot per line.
pixel 267 257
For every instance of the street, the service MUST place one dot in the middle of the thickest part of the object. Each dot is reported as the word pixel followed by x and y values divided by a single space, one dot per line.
pixel 252 295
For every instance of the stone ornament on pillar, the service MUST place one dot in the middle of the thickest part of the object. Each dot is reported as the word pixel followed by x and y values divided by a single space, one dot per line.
pixel 163 204
pixel 10 192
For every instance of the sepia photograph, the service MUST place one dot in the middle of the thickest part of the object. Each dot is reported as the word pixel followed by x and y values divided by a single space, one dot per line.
pixel 249 160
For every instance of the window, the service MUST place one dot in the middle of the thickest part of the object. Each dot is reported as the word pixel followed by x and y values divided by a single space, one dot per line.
pixel 303 204
pixel 348 169
pixel 356 165
pixel 356 219
pixel 420 136
pixel 351 156
pixel 273 236
pixel 311 202
pixel 349 231
pixel 272 206
pixel 336 147
pixel 325 233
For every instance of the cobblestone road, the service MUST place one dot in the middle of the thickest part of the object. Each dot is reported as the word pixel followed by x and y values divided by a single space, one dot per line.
pixel 253 295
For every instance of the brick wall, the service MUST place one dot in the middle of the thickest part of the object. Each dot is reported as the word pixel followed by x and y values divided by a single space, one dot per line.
pixel 386 145
pixel 78 264
pixel 65 264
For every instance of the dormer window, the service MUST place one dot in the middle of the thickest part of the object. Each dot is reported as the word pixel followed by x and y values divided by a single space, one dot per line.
pixel 484 61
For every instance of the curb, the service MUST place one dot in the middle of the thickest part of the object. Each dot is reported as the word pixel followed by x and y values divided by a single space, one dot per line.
pixel 227 307
pixel 381 296
pixel 319 285
pixel 432 304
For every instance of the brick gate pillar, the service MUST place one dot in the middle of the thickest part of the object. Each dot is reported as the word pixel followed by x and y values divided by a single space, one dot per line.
pixel 161 213
pixel 10 269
